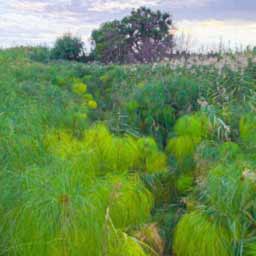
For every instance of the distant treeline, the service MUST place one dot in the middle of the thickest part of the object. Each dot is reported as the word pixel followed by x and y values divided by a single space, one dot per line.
pixel 144 36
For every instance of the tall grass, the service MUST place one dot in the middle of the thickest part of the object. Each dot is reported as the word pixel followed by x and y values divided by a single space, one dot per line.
pixel 127 160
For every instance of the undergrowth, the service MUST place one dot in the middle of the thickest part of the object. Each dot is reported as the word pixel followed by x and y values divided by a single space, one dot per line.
pixel 126 160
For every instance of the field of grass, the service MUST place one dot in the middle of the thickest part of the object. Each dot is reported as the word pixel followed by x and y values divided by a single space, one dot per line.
pixel 139 160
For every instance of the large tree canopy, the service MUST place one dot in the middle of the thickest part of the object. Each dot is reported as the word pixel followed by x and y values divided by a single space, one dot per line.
pixel 143 36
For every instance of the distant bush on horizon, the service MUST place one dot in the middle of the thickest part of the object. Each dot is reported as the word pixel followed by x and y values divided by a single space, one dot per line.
pixel 68 47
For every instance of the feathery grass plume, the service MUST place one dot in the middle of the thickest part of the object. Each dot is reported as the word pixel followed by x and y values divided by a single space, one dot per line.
pixel 128 192
pixel 182 147
pixel 198 235
pixel 230 188
pixel 63 144
pixel 123 153
pixel 184 183
pixel 60 212
pixel 79 87
pixel 195 126
pixel 92 104
pixel 107 153
pixel 230 194
pixel 101 151
pixel 104 152
pixel 149 158
pixel 51 216
pixel 124 246
pixel 88 97
pixel 190 131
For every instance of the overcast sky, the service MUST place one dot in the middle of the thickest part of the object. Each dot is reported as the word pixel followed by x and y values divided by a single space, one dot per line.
pixel 24 22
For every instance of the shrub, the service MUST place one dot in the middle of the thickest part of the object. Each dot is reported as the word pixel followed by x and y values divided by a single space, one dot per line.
pixel 40 54
pixel 68 47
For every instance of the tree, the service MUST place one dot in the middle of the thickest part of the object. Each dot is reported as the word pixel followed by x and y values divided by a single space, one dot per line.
pixel 68 47
pixel 141 37
pixel 109 43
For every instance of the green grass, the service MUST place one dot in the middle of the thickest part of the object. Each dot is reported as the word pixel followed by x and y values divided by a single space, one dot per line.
pixel 126 160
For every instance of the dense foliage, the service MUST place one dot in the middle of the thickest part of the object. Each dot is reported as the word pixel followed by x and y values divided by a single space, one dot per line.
pixel 142 37
pixel 68 47
pixel 127 160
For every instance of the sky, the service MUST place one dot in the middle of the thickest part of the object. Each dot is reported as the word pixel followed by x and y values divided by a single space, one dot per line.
pixel 204 23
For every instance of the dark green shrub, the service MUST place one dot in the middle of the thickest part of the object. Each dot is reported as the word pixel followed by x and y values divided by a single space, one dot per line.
pixel 40 54
pixel 68 47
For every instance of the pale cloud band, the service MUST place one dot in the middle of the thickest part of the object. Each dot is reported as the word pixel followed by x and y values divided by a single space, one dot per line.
pixel 26 22
pixel 211 34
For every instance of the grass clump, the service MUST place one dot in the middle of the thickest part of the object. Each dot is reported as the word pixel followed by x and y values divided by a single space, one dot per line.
pixel 197 234
pixel 190 131
pixel 64 212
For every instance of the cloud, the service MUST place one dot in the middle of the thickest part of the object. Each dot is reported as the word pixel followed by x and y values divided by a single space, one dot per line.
pixel 187 3
pixel 30 29
pixel 41 21
pixel 210 33
pixel 112 5
pixel 28 6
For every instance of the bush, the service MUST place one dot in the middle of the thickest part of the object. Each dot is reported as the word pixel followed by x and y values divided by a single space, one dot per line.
pixel 40 54
pixel 68 47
